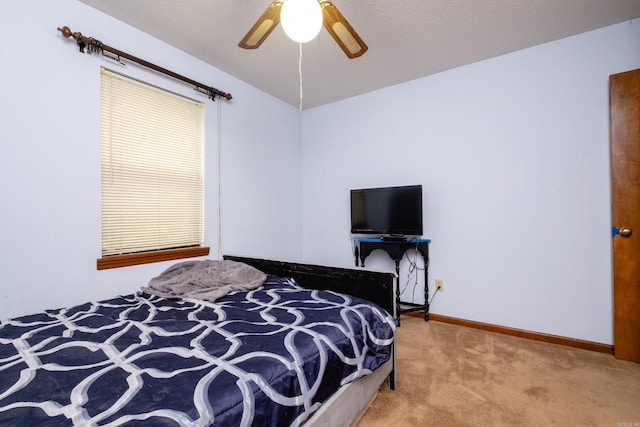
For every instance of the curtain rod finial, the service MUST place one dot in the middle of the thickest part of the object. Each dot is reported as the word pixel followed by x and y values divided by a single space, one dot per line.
pixel 66 31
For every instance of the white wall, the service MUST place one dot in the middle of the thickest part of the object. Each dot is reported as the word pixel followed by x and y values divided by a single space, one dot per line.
pixel 512 152
pixel 50 168
pixel 513 156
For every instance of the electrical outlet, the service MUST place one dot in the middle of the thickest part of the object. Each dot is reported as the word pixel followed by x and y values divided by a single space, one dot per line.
pixel 439 285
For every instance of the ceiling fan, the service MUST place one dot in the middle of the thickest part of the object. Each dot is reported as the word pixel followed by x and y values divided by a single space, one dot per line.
pixel 334 22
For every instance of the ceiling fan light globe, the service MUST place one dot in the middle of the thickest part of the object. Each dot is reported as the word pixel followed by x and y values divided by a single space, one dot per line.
pixel 301 19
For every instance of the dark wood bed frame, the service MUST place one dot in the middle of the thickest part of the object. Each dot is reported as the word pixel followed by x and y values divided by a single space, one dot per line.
pixel 375 286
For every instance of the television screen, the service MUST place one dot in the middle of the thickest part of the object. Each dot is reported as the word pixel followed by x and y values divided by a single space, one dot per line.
pixel 393 211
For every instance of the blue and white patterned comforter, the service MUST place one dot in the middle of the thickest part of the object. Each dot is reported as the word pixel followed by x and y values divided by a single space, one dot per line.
pixel 267 357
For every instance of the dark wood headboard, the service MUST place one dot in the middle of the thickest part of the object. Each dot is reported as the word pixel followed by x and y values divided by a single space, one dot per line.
pixel 375 286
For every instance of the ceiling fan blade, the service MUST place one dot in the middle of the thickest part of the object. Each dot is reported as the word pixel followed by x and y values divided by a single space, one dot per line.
pixel 263 26
pixel 341 31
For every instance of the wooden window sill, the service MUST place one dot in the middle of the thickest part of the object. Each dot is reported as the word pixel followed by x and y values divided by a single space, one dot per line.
pixel 115 261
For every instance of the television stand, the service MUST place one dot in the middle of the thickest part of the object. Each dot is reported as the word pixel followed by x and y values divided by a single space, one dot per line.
pixel 396 249
pixel 393 238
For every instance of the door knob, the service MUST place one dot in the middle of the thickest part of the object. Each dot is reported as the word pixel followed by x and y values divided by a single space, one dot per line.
pixel 625 232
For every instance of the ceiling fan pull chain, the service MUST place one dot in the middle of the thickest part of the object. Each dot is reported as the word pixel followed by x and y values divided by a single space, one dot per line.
pixel 300 73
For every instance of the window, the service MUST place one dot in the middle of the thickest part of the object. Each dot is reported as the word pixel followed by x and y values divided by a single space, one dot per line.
pixel 152 173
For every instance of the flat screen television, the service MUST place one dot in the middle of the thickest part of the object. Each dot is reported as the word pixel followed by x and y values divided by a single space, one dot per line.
pixel 387 211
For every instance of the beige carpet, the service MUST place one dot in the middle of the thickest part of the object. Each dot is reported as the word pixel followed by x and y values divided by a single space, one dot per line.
pixel 452 375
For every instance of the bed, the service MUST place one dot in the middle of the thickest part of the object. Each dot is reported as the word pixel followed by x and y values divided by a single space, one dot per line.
pixel 308 347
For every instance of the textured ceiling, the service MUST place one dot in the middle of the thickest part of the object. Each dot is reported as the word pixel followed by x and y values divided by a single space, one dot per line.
pixel 407 39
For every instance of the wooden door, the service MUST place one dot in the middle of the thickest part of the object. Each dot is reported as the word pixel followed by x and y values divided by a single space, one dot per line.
pixel 625 163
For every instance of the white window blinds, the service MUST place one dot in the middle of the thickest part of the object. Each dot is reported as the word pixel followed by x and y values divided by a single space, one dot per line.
pixel 152 168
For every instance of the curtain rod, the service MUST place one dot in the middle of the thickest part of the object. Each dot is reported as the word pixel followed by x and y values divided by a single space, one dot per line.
pixel 97 46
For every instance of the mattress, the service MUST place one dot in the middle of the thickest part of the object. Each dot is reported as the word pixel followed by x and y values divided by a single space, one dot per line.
pixel 266 357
